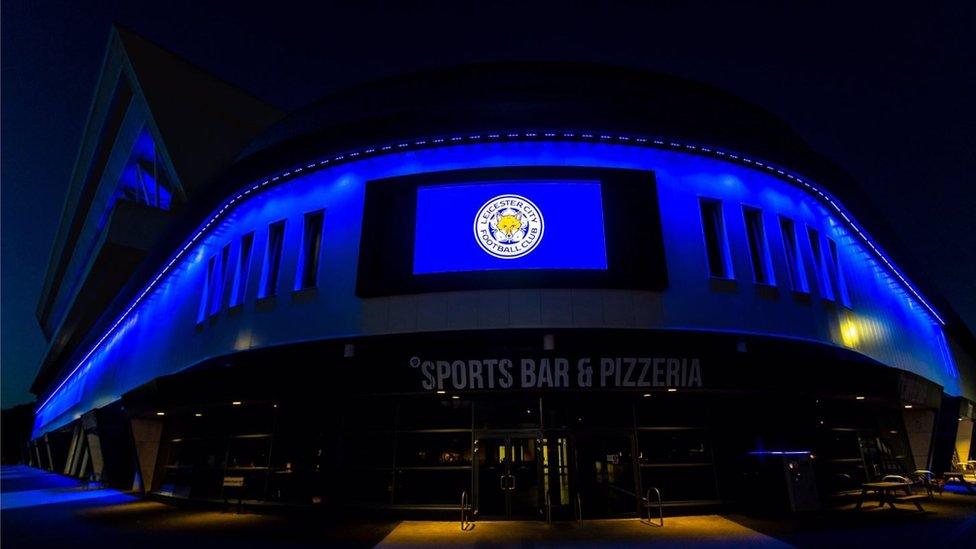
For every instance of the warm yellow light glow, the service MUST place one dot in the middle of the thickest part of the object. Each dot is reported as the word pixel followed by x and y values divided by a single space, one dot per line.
pixel 672 390
pixel 647 395
pixel 849 333
pixel 441 392
pixel 908 406
pixel 455 397
pixel 236 403
pixel 859 398
pixel 198 414
pixel 160 413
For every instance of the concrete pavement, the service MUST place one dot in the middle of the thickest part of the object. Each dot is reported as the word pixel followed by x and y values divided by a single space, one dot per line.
pixel 39 510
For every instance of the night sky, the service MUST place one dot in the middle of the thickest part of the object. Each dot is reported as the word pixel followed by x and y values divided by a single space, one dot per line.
pixel 887 92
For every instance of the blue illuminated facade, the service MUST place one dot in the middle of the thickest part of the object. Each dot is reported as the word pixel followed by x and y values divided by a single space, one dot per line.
pixel 885 320
pixel 418 288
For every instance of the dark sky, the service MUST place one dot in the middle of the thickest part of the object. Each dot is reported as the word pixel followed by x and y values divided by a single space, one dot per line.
pixel 887 92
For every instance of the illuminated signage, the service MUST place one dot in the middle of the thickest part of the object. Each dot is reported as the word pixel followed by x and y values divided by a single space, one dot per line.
pixel 531 224
pixel 559 373
pixel 509 226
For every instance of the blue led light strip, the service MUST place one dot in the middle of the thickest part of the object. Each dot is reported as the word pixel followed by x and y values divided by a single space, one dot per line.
pixel 500 136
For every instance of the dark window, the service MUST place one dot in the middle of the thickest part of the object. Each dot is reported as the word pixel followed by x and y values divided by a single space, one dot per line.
pixel 433 449
pixel 823 273
pixel 218 288
pixel 272 262
pixel 311 247
pixel 243 270
pixel 429 486
pixel 794 261
pixel 716 244
pixel 762 271
pixel 368 450
pixel 836 274
pixel 678 462
pixel 209 285
pixel 434 413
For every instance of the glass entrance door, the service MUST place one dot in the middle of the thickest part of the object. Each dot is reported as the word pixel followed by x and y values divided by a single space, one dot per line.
pixel 508 476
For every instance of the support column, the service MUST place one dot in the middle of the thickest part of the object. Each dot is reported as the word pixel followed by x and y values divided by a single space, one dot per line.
pixel 920 429
pixel 147 435
pixel 94 443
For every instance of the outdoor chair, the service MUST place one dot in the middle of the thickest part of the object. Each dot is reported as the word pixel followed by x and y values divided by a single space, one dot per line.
pixel 929 481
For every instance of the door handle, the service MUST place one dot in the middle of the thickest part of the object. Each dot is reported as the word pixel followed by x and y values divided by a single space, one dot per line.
pixel 511 487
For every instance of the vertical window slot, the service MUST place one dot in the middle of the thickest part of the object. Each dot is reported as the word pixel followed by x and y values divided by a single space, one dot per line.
pixel 836 274
pixel 241 273
pixel 824 281
pixel 794 261
pixel 716 241
pixel 308 262
pixel 272 259
pixel 762 266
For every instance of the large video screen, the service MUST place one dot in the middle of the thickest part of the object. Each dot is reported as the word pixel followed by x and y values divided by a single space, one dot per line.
pixel 511 225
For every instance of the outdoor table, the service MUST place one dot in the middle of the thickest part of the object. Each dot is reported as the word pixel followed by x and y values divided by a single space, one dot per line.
pixel 958 476
pixel 887 493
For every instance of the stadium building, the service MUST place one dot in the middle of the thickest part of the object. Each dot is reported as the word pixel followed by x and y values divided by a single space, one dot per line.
pixel 550 287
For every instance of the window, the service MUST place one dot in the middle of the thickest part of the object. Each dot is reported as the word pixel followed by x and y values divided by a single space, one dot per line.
pixel 823 274
pixel 836 275
pixel 243 270
pixel 308 266
pixel 272 259
pixel 143 178
pixel 209 282
pixel 794 261
pixel 762 268
pixel 214 289
pixel 219 294
pixel 716 243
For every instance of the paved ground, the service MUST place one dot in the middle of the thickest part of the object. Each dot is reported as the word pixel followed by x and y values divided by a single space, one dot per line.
pixel 40 510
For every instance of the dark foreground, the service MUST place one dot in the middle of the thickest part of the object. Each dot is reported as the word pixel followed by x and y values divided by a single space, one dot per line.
pixel 45 510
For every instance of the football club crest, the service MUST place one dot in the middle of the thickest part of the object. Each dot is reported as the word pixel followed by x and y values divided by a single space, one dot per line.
pixel 509 226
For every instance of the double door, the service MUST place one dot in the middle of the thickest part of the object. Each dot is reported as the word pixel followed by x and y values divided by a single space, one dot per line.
pixel 527 474
pixel 508 472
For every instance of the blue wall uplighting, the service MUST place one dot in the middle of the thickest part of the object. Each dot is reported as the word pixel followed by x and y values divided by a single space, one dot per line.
pixel 159 333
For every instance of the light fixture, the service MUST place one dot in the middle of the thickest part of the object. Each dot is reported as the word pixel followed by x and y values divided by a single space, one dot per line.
pixel 672 390
pixel 859 398
pixel 160 413
pixel 548 342
pixel 198 414
pixel 274 405
pixel 455 397
pixel 236 403
pixel 908 406
pixel 441 392
pixel 647 395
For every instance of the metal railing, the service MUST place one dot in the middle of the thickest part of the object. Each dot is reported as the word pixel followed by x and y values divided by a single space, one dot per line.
pixel 466 523
pixel 548 509
pixel 647 505
pixel 579 509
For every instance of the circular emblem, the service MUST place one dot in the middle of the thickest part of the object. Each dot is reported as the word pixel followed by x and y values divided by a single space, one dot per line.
pixel 508 226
